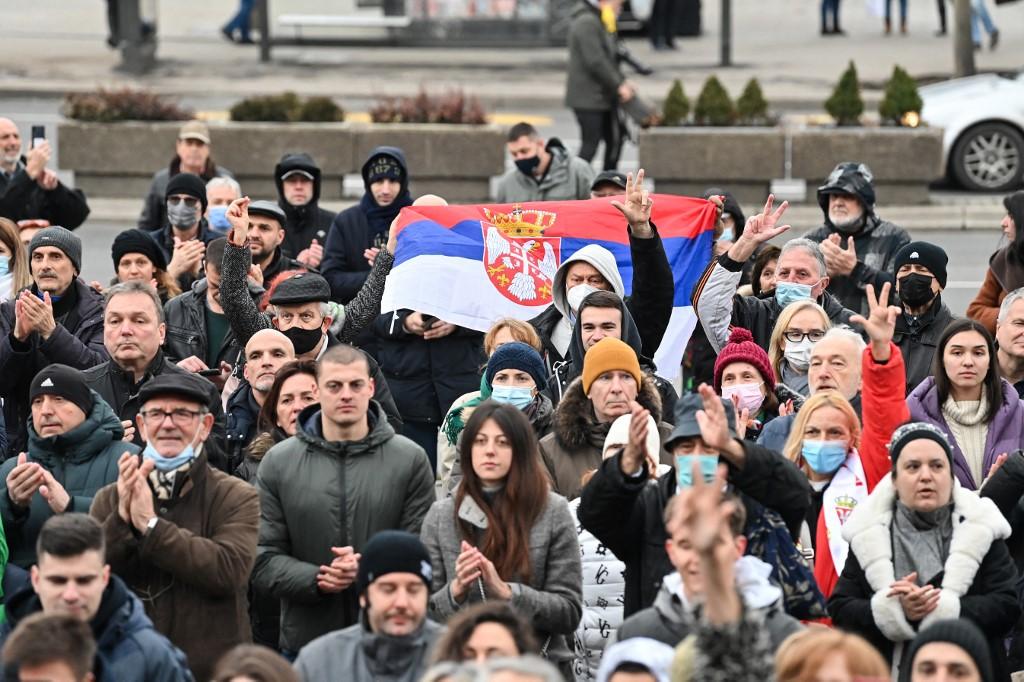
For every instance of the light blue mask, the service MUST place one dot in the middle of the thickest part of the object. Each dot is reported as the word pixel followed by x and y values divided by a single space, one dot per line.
pixel 684 469
pixel 5 265
pixel 727 235
pixel 516 396
pixel 218 219
pixel 166 464
pixel 789 292
pixel 824 456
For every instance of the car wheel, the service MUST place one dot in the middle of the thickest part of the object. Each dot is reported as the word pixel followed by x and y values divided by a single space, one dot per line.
pixel 989 157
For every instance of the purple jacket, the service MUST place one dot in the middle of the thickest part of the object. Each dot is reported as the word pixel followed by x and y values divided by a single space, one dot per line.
pixel 1005 431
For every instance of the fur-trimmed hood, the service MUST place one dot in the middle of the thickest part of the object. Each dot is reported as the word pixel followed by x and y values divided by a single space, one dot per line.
pixel 977 523
pixel 574 418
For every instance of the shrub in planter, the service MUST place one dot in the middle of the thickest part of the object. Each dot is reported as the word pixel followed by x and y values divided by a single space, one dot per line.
pixel 713 107
pixel 451 107
pixel 845 104
pixel 281 108
pixel 676 107
pixel 320 109
pixel 126 104
pixel 900 97
pixel 752 107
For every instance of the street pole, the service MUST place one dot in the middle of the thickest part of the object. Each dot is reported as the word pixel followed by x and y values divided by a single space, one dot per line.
pixel 963 45
pixel 726 46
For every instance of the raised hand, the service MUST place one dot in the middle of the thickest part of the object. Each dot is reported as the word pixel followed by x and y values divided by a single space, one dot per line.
pixel 38 313
pixel 187 257
pixel 468 568
pixel 238 217
pixel 638 204
pixel 495 587
pixel 24 480
pixel 141 507
pixel 635 452
pixel 880 324
pixel 54 493
pixel 839 261
pixel 311 256
pixel 759 229
pixel 127 467
pixel 36 160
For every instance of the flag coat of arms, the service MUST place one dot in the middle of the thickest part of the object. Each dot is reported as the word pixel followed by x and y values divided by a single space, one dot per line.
pixel 470 265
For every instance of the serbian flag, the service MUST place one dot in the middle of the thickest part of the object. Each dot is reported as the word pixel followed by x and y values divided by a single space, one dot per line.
pixel 470 265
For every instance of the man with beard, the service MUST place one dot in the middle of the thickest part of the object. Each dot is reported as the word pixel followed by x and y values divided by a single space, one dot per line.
pixel 28 189
pixel 266 235
pixel 264 354
pixel 859 247
pixel 298 187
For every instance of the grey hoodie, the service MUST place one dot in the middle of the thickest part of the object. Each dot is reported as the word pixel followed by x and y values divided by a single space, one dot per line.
pixel 670 620
pixel 358 655
pixel 604 262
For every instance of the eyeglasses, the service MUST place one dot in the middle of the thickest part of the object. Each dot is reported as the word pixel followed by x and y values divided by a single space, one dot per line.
pixel 191 202
pixel 180 416
pixel 796 336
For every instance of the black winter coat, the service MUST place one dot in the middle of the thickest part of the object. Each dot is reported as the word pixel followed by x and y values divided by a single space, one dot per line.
pixel 918 345
pixel 308 222
pixel 77 341
pixel 426 377
pixel 343 265
pixel 22 198
pixel 627 514
pixel 186 327
pixel 164 239
pixel 119 389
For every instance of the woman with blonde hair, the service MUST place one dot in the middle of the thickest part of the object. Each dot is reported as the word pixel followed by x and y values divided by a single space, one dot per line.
pixel 801 324
pixel 820 653
pixel 14 275
pixel 843 460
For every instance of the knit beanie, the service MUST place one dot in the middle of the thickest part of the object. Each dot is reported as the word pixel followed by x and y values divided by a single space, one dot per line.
pixel 393 551
pixel 137 241
pixel 923 253
pixel 187 183
pixel 959 632
pixel 917 431
pixel 63 239
pixel 742 348
pixel 607 355
pixel 519 356
pixel 63 381
pixel 383 166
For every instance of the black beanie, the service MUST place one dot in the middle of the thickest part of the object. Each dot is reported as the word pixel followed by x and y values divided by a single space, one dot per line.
pixel 64 381
pixel 137 241
pixel 393 551
pixel 928 255
pixel 960 632
pixel 917 431
pixel 187 183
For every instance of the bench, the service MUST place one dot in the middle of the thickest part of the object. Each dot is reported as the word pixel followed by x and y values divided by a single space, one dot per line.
pixel 297 21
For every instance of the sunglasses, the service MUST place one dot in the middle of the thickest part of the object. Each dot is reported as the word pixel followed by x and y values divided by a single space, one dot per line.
pixel 191 202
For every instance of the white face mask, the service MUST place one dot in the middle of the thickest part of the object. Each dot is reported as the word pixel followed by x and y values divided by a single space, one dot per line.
pixel 576 295
pixel 798 355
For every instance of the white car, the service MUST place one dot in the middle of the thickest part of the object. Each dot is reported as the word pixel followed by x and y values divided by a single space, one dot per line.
pixel 983 121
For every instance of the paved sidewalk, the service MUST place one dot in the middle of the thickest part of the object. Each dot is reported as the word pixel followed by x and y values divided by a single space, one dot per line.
pixel 57 46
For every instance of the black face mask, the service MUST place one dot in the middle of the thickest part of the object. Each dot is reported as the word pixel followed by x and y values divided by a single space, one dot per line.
pixel 304 340
pixel 528 165
pixel 916 289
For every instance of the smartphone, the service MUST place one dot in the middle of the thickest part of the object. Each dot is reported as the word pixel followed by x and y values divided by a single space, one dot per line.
pixel 38 135
pixel 429 321
pixel 209 372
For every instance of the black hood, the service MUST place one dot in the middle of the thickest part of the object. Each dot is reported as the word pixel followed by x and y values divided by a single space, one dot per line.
pixel 853 178
pixel 395 153
pixel 290 162
pixel 25 602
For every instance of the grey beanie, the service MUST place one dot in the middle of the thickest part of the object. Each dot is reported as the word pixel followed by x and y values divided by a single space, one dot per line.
pixel 63 239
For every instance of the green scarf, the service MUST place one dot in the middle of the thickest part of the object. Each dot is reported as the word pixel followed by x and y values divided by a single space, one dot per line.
pixel 454 423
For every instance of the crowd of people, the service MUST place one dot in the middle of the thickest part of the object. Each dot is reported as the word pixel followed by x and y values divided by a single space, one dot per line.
pixel 226 464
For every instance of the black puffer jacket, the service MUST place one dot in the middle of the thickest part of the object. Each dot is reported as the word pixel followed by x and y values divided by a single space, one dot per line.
pixel 22 198
pixel 185 317
pixel 565 372
pixel 919 341
pixel 426 377
pixel 308 222
pixel 77 341
pixel 626 514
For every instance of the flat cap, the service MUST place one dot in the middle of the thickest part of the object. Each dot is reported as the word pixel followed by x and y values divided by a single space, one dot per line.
pixel 269 209
pixel 187 386
pixel 306 287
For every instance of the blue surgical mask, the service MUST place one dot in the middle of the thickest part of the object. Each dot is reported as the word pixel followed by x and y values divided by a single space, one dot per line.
pixel 727 235
pixel 218 219
pixel 5 265
pixel 789 292
pixel 684 469
pixel 824 456
pixel 516 396
pixel 166 464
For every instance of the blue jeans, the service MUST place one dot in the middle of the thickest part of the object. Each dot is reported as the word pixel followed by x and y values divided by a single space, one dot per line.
pixel 830 7
pixel 980 15
pixel 240 22
pixel 903 11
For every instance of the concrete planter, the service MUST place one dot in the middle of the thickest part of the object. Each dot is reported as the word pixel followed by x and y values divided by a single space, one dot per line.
pixel 688 160
pixel 119 159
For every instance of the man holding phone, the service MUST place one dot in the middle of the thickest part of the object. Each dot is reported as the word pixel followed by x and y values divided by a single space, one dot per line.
pixel 28 189
pixel 625 513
